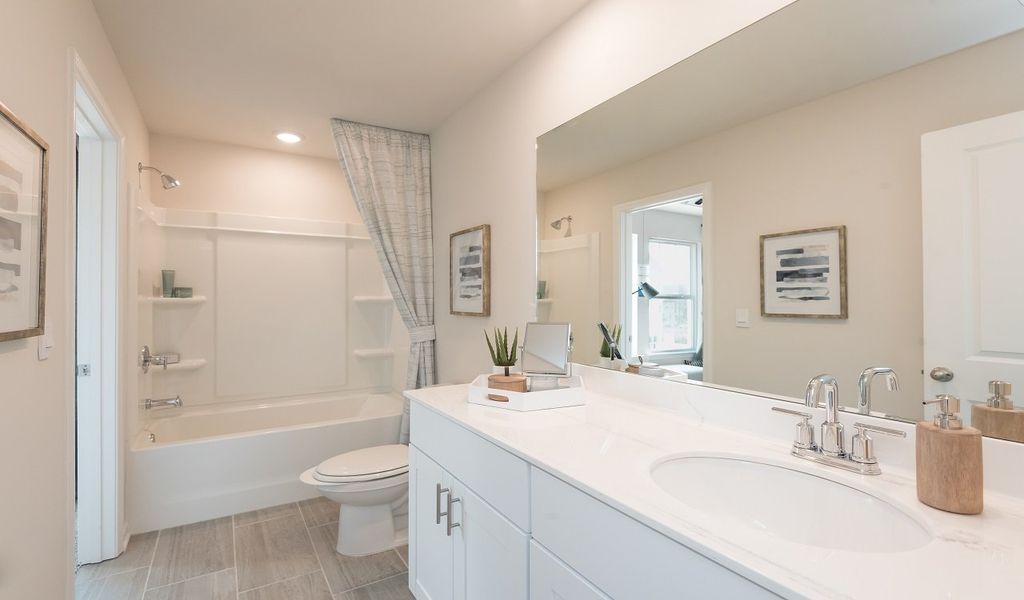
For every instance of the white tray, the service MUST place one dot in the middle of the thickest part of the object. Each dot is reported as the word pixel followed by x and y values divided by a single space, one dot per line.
pixel 571 393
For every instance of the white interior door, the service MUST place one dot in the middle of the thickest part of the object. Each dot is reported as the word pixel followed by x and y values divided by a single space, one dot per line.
pixel 972 179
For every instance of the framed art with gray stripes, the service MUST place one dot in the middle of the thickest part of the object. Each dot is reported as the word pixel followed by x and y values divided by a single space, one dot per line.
pixel 803 274
pixel 23 181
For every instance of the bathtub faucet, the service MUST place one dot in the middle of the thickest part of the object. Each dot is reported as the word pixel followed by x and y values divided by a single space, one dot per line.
pixel 163 402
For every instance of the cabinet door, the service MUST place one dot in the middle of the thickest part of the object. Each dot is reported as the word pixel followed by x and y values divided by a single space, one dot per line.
pixel 551 579
pixel 491 553
pixel 430 547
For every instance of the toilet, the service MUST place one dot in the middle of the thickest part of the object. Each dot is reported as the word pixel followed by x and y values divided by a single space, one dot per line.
pixel 371 485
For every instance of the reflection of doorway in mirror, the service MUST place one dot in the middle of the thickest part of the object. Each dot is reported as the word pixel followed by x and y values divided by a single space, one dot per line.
pixel 661 282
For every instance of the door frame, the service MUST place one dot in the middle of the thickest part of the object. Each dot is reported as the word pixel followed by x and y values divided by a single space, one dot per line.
pixel 621 254
pixel 103 474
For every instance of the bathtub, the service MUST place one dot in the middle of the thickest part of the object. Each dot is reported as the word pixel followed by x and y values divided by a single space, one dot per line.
pixel 215 462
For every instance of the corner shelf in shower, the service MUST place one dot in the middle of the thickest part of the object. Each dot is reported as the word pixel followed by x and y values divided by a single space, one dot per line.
pixel 374 353
pixel 188 364
pixel 373 299
pixel 161 301
pixel 545 300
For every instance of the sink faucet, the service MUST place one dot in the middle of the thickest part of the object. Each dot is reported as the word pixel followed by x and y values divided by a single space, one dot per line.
pixel 832 441
pixel 832 450
pixel 892 382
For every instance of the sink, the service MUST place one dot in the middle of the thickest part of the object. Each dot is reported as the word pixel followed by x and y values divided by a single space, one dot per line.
pixel 789 504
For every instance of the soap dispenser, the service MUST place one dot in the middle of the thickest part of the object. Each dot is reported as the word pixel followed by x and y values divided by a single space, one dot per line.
pixel 997 417
pixel 949 467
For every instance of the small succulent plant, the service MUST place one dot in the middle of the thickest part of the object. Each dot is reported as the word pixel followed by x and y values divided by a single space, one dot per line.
pixel 503 354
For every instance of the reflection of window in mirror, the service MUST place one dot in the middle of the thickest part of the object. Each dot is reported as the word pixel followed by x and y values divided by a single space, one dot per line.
pixel 664 318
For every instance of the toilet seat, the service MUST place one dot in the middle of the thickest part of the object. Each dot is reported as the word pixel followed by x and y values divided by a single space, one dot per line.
pixel 366 464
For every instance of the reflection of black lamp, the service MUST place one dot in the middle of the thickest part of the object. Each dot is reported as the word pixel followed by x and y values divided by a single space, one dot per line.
pixel 646 290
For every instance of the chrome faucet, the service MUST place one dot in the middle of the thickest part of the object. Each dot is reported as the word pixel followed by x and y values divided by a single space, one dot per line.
pixel 176 402
pixel 832 450
pixel 892 382
pixel 832 441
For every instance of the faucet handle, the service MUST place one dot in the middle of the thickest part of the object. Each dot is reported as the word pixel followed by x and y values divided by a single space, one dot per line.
pixel 804 431
pixel 863 447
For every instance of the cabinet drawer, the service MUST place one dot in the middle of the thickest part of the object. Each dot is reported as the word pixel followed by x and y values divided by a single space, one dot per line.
pixel 624 558
pixel 500 478
pixel 551 579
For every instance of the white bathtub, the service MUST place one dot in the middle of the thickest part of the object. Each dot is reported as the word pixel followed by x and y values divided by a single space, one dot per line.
pixel 211 463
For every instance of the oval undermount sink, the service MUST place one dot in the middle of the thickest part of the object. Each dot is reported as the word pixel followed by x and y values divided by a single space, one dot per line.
pixel 789 504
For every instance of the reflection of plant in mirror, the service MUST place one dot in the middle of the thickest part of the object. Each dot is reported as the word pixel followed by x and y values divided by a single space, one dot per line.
pixel 502 353
pixel 616 331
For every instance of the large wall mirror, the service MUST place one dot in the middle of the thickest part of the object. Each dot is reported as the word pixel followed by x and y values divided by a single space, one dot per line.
pixel 835 188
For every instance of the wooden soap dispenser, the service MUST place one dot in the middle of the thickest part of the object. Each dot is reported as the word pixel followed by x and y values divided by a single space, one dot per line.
pixel 949 467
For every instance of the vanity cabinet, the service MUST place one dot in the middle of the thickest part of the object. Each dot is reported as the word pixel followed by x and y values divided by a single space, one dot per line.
pixel 518 532
pixel 552 579
pixel 471 552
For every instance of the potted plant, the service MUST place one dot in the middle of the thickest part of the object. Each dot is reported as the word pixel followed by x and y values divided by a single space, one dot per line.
pixel 505 356
pixel 606 351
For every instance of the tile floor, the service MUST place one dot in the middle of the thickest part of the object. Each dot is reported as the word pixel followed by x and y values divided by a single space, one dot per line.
pixel 281 553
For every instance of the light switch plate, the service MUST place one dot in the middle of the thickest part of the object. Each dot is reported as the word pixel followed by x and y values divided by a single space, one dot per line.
pixel 742 317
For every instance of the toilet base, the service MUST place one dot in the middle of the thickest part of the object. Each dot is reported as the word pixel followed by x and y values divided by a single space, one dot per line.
pixel 365 530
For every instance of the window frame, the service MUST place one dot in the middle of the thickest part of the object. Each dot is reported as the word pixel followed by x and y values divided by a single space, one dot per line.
pixel 695 295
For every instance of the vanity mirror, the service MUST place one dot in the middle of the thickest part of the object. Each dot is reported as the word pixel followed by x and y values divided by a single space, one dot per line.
pixel 899 124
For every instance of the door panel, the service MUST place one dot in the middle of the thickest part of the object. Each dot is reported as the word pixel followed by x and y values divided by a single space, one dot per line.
pixel 430 548
pixel 972 185
pixel 491 553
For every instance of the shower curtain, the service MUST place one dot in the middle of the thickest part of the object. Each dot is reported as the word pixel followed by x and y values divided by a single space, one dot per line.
pixel 388 172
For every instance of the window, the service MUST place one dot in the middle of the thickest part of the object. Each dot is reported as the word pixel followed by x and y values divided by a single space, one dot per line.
pixel 673 318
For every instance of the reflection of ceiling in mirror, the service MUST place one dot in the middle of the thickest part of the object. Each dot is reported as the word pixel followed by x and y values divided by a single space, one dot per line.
pixel 771 65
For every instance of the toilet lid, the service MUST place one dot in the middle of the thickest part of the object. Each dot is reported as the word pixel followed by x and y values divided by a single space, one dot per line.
pixel 376 462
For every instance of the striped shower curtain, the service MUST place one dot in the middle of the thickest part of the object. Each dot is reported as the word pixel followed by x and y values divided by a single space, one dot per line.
pixel 388 172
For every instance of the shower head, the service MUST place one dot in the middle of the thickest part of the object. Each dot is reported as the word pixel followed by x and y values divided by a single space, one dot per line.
pixel 168 181
pixel 557 225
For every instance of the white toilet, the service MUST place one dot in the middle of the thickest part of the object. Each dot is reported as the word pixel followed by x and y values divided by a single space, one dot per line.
pixel 372 487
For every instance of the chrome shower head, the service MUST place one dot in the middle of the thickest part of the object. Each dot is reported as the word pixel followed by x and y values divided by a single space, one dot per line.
pixel 169 182
pixel 557 225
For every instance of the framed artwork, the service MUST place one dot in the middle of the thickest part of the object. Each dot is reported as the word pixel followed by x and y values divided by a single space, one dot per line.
pixel 803 273
pixel 23 179
pixel 470 270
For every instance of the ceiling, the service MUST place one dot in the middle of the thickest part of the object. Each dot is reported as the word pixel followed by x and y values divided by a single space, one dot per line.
pixel 807 50
pixel 238 71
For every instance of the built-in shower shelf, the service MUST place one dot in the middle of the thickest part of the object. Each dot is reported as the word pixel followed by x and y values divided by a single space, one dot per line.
pixel 545 301
pixel 188 364
pixel 161 301
pixel 374 353
pixel 372 299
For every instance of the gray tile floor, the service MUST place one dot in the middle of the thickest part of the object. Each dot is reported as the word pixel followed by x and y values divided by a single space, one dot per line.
pixel 281 553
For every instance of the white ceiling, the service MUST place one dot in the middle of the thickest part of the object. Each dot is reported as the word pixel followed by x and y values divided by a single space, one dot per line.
pixel 807 50
pixel 238 71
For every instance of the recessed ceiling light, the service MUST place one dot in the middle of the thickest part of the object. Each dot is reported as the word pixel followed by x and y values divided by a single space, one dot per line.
pixel 289 137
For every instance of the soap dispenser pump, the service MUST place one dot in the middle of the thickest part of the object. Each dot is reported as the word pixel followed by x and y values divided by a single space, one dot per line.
pixel 997 417
pixel 949 465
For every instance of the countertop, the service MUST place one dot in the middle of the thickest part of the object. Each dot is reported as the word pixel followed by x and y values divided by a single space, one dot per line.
pixel 607 448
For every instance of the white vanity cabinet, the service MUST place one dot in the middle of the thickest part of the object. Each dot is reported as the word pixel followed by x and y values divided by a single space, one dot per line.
pixel 475 551
pixel 519 533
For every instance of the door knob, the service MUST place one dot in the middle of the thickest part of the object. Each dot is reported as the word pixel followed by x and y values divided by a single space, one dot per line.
pixel 942 374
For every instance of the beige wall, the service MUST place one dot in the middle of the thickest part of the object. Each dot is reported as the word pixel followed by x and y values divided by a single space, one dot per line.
pixel 36 410
pixel 852 158
pixel 228 178
pixel 484 156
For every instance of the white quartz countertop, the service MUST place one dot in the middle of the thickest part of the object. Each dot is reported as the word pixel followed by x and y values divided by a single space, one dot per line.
pixel 607 449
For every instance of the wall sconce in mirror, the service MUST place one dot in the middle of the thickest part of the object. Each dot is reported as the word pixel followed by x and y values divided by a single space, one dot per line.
pixel 646 290
pixel 557 225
